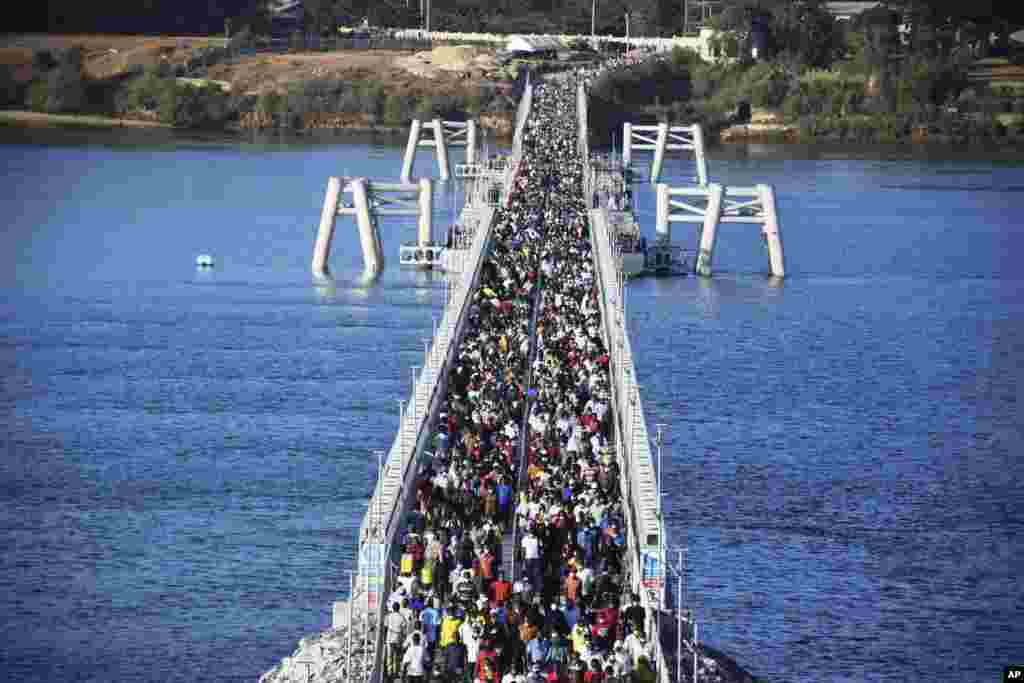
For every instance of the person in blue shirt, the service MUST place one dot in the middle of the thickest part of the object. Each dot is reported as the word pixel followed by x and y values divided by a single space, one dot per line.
pixel 504 499
pixel 571 613
pixel 537 649
pixel 431 618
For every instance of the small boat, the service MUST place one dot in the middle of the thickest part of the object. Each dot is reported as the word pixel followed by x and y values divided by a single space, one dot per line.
pixel 204 261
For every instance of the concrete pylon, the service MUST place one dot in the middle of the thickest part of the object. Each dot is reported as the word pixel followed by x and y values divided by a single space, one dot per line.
pixel 776 264
pixel 368 239
pixel 662 226
pixel 325 235
pixel 440 140
pixel 410 150
pixel 627 144
pixel 470 142
pixel 426 211
pixel 659 152
pixel 698 154
pixel 709 230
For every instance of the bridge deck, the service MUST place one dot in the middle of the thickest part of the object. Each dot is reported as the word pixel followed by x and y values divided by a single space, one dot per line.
pixel 386 517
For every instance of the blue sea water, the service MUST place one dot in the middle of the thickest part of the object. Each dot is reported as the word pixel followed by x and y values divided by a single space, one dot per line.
pixel 186 455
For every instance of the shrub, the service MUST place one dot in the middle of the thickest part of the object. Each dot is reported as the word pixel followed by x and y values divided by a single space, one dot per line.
pixel 186 106
pixel 143 92
pixel 270 103
pixel 394 110
pixel 36 96
pixel 65 85
pixel 765 84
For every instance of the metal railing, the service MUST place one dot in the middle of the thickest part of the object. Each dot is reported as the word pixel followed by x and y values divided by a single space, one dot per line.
pixel 645 524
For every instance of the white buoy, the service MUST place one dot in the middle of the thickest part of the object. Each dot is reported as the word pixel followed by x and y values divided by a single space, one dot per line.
pixel 204 261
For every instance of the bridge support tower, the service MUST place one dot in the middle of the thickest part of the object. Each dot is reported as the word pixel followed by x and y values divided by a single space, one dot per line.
pixel 714 204
pixel 369 201
pixel 665 139
pixel 446 134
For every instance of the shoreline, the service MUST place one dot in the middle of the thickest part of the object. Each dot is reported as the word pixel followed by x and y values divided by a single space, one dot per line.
pixel 21 118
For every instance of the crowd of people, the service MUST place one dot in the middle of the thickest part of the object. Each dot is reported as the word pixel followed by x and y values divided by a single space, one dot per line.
pixel 524 460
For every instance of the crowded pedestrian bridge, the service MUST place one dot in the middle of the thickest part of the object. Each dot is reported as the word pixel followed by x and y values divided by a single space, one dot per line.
pixel 515 531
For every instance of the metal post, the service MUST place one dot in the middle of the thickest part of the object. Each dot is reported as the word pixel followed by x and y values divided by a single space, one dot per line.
pixel 351 601
pixel 401 427
pixel 380 493
pixel 660 438
pixel 426 351
pixel 593 23
pixel 366 626
pixel 412 400
pixel 695 649
pixel 679 621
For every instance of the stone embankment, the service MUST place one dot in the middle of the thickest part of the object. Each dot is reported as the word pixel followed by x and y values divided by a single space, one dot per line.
pixel 763 125
pixel 323 658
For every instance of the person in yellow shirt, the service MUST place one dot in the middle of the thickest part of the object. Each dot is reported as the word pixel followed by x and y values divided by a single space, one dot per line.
pixel 449 628
pixel 578 638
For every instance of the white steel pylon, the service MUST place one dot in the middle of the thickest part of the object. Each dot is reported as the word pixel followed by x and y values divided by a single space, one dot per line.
pixel 445 134
pixel 370 200
pixel 666 139
pixel 714 204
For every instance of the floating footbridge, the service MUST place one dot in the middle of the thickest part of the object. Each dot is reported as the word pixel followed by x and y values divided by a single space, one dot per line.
pixel 396 507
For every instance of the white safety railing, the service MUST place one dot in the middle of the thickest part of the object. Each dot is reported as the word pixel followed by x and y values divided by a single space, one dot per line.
pixel 640 486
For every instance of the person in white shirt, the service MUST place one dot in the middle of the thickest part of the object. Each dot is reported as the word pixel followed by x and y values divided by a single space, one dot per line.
pixel 470 634
pixel 395 623
pixel 531 552
pixel 414 663
pixel 635 648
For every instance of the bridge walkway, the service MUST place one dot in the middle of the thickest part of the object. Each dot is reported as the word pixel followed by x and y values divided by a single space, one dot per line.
pixel 395 491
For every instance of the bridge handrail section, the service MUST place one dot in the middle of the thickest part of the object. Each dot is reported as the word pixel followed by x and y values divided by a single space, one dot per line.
pixel 395 491
pixel 645 526
pixel 392 485
pixel 522 114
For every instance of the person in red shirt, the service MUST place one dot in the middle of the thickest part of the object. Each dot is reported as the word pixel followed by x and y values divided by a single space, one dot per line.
pixel 487 663
pixel 594 674
pixel 501 590
pixel 571 586
pixel 604 628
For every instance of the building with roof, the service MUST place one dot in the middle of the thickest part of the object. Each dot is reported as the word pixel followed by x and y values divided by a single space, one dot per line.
pixel 534 45
pixel 844 11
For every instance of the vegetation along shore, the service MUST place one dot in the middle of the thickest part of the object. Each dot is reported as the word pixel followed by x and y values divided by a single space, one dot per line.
pixel 779 71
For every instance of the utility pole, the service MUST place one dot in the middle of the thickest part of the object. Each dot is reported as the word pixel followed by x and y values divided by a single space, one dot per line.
pixel 593 16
